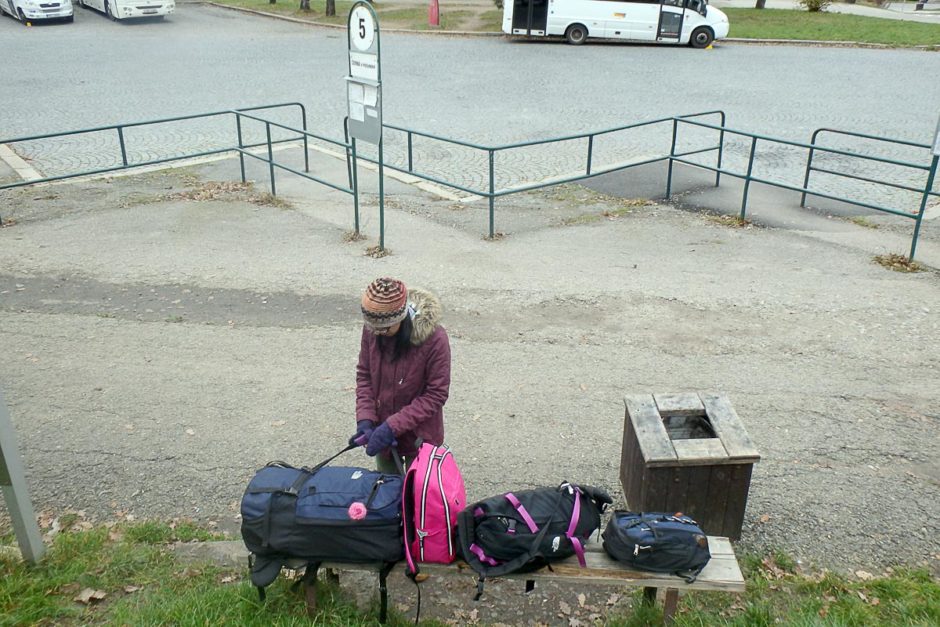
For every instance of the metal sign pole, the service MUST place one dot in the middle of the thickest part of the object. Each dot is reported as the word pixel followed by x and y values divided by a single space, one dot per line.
pixel 15 491
pixel 364 89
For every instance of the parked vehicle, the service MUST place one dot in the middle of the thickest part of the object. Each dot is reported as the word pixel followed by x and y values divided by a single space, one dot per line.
pixel 38 10
pixel 129 9
pixel 656 21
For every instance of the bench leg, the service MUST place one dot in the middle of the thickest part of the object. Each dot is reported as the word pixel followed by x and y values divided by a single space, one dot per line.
pixel 310 591
pixel 649 595
pixel 670 603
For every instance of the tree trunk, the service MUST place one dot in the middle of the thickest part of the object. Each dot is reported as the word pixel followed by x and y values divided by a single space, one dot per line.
pixel 304 5
pixel 331 7
pixel 760 4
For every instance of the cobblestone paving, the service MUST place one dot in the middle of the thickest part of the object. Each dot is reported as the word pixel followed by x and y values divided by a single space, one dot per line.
pixel 488 90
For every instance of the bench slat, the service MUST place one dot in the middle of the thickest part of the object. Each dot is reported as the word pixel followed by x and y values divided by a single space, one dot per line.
pixel 722 572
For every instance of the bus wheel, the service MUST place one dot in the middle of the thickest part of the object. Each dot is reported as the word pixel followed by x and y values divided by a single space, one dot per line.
pixel 576 34
pixel 701 37
pixel 109 11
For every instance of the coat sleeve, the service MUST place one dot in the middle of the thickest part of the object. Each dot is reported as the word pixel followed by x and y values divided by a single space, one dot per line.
pixel 436 389
pixel 365 396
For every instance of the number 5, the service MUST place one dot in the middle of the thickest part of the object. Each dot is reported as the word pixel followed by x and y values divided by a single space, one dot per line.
pixel 362 28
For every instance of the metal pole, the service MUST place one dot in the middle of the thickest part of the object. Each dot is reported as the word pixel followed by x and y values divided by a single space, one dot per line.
pixel 747 179
pixel 120 131
pixel 923 204
pixel 306 147
pixel 241 145
pixel 16 492
pixel 381 198
pixel 721 148
pixel 492 200
pixel 267 126
pixel 349 172
pixel 355 185
pixel 809 163
pixel 590 153
pixel 410 164
pixel 672 152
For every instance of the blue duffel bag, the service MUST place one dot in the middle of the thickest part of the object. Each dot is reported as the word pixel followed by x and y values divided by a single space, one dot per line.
pixel 657 542
pixel 320 514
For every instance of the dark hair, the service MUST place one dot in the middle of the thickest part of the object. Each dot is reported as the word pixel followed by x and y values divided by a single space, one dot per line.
pixel 402 338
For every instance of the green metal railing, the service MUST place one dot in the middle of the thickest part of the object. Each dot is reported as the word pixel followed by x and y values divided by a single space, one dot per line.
pixel 589 171
pixel 122 143
pixel 813 147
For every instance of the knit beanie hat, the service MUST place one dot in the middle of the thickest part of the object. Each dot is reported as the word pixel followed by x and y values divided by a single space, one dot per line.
pixel 385 303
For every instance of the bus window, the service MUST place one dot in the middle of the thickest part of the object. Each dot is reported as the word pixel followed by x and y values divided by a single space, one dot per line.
pixel 696 5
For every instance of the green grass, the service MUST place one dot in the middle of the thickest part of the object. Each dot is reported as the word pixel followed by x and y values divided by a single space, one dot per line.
pixel 789 24
pixel 142 583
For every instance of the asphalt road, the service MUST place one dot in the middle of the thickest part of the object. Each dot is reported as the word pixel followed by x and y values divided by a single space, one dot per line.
pixel 491 90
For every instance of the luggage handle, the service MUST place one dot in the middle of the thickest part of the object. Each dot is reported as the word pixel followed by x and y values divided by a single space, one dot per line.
pixel 305 472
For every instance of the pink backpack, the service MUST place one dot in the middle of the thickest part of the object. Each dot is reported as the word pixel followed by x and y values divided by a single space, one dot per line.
pixel 432 496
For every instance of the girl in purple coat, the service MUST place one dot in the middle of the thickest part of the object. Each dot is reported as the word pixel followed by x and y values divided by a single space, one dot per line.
pixel 403 375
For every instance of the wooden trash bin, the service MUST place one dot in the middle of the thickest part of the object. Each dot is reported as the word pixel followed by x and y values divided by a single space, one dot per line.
pixel 687 453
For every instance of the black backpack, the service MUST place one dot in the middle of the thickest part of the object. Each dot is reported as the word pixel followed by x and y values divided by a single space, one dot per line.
pixel 291 514
pixel 523 531
pixel 658 542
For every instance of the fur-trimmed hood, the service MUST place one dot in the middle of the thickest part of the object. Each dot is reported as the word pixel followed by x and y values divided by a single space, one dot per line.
pixel 427 316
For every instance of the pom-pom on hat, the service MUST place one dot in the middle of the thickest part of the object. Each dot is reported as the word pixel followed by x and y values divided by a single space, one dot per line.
pixel 384 303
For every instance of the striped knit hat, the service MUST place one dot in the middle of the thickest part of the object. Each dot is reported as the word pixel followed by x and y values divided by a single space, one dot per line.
pixel 384 303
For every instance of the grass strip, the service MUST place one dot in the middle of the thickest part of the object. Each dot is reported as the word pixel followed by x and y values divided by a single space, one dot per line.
pixel 126 575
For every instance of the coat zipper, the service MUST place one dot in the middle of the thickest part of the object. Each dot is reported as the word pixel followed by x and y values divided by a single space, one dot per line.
pixel 440 482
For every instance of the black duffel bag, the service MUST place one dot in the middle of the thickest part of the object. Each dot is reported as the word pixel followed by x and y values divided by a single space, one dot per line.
pixel 523 531
pixel 657 542
pixel 321 514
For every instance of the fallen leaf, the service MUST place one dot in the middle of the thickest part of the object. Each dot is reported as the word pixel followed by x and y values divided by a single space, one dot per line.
pixel 612 599
pixel 228 579
pixel 278 423
pixel 565 608
pixel 88 596
pixel 864 575
pixel 581 600
pixel 401 607
pixel 875 601
pixel 862 596
pixel 583 387
pixel 190 432
pixel 131 589
pixel 823 611
pixel 765 518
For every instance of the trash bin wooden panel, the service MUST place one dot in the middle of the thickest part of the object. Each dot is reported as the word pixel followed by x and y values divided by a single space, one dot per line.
pixel 687 453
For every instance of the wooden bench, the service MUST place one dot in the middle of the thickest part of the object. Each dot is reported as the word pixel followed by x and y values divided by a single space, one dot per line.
pixel 721 574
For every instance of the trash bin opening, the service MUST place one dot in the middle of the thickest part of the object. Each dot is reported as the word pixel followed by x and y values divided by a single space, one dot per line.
pixel 688 427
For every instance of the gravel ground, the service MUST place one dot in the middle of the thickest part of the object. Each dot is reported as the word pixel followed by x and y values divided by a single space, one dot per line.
pixel 160 349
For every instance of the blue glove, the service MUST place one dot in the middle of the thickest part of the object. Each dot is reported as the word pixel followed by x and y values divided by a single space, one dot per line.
pixel 364 429
pixel 381 439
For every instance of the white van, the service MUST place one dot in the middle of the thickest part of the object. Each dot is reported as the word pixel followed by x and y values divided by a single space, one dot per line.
pixel 656 21
pixel 37 10
pixel 124 9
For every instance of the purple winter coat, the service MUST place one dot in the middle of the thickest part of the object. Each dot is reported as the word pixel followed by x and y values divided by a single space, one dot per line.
pixel 409 393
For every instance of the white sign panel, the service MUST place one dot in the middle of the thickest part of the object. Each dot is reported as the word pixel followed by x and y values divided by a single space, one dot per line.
pixel 362 65
pixel 361 28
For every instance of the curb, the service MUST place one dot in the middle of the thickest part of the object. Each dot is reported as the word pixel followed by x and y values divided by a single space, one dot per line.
pixel 466 33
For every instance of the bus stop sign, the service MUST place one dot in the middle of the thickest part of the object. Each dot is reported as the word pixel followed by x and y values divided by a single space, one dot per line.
pixel 364 83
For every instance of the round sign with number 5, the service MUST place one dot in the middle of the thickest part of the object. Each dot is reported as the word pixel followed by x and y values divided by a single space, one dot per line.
pixel 361 28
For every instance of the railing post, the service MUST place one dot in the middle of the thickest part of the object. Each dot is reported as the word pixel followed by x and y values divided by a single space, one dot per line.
pixel 349 169
pixel 721 148
pixel 120 131
pixel 303 111
pixel 809 163
pixel 410 163
pixel 590 153
pixel 747 179
pixel 923 204
pixel 241 145
pixel 672 152
pixel 381 197
pixel 267 128
pixel 355 186
pixel 492 198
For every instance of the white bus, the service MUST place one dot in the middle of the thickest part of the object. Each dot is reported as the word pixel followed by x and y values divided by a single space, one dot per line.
pixel 656 21
pixel 124 9
pixel 36 10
